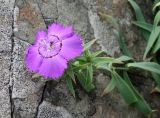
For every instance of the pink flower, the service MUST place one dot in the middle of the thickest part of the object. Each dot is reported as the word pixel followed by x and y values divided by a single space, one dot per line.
pixel 51 51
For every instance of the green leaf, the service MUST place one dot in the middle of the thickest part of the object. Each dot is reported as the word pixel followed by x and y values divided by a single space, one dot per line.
pixel 122 44
pixel 124 59
pixel 70 73
pixel 81 58
pixel 110 87
pixel 89 74
pixel 80 66
pixel 145 26
pixel 103 66
pixel 137 10
pixel 139 16
pixel 141 104
pixel 102 60
pixel 157 18
pixel 89 44
pixel 125 90
pixel 95 54
pixel 152 39
pixel 70 85
pixel 156 1
pixel 85 77
pixel 149 66
pixel 156 77
pixel 156 47
pixel 155 6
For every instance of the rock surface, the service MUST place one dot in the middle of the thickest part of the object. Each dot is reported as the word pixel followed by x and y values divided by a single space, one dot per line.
pixel 47 110
pixel 24 97
pixel 6 32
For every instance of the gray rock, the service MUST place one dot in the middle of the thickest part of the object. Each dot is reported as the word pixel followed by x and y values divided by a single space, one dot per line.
pixel 26 93
pixel 48 9
pixel 6 18
pixel 47 110
pixel 58 94
pixel 104 34
pixel 5 102
pixel 74 13
pixel 5 105
pixel 6 13
pixel 28 20
pixel 112 104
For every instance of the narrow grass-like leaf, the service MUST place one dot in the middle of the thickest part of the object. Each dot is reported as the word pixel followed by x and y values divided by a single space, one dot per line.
pixel 141 104
pixel 89 44
pixel 139 16
pixel 157 18
pixel 156 46
pixel 149 66
pixel 156 1
pixel 100 60
pixel 125 90
pixel 89 74
pixel 121 42
pixel 109 87
pixel 70 85
pixel 83 80
pixel 156 77
pixel 152 39
pixel 103 66
pixel 71 74
pixel 81 66
pixel 137 10
pixel 81 58
pixel 124 58
pixel 155 6
pixel 85 77
pixel 143 25
pixel 95 54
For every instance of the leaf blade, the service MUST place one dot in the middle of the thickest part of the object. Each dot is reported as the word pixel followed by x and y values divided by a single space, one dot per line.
pixel 149 66
pixel 124 89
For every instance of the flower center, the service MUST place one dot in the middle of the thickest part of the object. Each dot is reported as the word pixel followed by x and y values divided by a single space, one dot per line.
pixel 50 47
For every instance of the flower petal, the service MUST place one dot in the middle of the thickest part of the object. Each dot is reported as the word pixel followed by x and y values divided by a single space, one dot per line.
pixel 60 31
pixel 40 35
pixel 71 47
pixel 33 59
pixel 53 67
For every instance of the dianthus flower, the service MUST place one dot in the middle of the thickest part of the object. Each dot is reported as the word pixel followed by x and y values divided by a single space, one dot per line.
pixel 52 49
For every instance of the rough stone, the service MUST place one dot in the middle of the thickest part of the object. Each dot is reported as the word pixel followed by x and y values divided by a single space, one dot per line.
pixel 104 35
pixel 26 92
pixel 5 105
pixel 59 95
pixel 5 102
pixel 47 110
pixel 74 13
pixel 112 104
pixel 48 9
pixel 6 18
pixel 28 20
pixel 6 21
